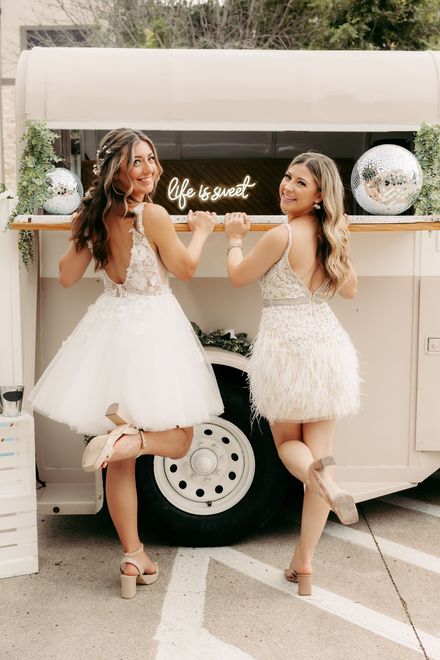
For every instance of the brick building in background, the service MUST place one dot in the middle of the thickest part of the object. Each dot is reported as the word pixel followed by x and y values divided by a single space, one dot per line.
pixel 23 24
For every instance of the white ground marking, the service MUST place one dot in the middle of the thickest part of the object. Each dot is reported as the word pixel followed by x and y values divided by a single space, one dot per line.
pixel 389 548
pixel 414 505
pixel 366 618
pixel 181 634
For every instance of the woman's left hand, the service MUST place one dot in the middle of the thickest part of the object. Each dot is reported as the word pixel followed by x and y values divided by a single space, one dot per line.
pixel 236 225
pixel 203 221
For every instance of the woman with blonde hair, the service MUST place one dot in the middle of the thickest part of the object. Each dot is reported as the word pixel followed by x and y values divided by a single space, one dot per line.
pixel 134 346
pixel 303 370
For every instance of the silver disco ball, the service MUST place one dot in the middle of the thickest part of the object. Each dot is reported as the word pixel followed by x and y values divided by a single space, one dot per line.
pixel 67 191
pixel 386 180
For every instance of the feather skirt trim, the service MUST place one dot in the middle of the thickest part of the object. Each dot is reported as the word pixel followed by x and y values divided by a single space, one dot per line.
pixel 321 382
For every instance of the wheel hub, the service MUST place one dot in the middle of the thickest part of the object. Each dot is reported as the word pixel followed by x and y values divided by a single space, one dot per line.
pixel 204 461
pixel 215 474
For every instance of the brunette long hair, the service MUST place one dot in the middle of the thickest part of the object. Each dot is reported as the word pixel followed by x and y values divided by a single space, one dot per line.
pixel 89 225
pixel 333 237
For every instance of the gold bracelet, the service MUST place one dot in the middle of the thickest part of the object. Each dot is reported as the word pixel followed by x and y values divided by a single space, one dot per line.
pixel 239 245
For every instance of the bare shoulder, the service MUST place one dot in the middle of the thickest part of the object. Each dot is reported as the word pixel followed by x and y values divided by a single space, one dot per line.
pixel 276 237
pixel 155 218
pixel 303 232
pixel 154 213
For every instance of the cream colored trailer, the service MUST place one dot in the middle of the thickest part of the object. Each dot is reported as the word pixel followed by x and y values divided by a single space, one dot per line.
pixel 270 104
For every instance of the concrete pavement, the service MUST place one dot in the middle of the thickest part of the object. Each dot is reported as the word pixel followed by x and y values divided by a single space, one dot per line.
pixel 376 593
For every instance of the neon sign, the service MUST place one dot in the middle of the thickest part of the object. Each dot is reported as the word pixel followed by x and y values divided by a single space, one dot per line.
pixel 182 191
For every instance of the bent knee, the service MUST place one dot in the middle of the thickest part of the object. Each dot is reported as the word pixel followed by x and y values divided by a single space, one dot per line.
pixel 183 443
pixel 283 445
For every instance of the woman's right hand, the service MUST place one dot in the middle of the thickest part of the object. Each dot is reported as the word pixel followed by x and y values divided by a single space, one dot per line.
pixel 237 225
pixel 203 221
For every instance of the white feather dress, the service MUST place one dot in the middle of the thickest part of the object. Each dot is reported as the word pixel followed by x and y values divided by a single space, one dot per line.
pixel 303 365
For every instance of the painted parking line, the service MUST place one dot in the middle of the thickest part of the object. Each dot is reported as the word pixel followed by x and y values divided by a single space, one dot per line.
pixel 413 505
pixel 389 548
pixel 181 635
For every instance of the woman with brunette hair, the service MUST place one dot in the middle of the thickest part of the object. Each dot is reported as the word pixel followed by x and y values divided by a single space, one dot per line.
pixel 303 370
pixel 134 346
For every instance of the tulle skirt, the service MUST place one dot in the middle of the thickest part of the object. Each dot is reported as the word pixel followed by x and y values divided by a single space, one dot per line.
pixel 303 366
pixel 139 351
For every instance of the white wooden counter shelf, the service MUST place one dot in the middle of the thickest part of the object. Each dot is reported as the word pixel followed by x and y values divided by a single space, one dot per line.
pixel 358 223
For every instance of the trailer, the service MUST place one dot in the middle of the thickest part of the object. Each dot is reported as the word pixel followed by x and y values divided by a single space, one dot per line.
pixel 228 120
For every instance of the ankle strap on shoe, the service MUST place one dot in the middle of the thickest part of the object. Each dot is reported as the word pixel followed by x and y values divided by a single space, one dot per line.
pixel 128 558
pixel 143 441
pixel 136 552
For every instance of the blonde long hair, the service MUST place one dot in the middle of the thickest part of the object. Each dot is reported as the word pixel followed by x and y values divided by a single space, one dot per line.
pixel 89 225
pixel 333 236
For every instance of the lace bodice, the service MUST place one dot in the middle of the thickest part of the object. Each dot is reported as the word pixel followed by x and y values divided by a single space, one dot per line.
pixel 146 275
pixel 281 285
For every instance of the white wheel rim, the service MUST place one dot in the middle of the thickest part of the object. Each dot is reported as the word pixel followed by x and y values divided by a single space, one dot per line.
pixel 216 473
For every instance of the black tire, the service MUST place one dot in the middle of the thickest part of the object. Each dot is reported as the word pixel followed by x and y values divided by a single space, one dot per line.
pixel 267 489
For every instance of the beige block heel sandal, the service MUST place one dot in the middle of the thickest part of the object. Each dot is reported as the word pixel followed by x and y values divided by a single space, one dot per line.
pixel 341 502
pixel 101 448
pixel 304 581
pixel 129 582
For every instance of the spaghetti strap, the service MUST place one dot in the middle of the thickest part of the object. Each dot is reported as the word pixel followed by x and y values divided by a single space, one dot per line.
pixel 139 223
pixel 289 241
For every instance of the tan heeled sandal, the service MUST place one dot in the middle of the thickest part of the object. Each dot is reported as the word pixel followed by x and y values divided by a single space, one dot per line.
pixel 101 448
pixel 341 502
pixel 116 415
pixel 304 581
pixel 129 582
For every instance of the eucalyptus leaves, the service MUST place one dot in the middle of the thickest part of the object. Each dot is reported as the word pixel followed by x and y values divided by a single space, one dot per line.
pixel 33 188
pixel 427 150
pixel 224 339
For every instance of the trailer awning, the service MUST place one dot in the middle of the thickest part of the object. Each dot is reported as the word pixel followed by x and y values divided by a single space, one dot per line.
pixel 250 90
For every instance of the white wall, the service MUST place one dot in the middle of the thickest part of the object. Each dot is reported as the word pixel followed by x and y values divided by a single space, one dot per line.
pixel 11 372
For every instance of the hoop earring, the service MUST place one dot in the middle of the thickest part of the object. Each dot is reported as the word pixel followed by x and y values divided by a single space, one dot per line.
pixel 317 206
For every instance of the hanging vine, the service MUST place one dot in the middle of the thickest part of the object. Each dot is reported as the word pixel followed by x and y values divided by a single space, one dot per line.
pixel 427 150
pixel 33 188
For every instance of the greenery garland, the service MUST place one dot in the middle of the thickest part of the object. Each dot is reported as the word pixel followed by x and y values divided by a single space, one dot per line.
pixel 427 151
pixel 226 339
pixel 33 187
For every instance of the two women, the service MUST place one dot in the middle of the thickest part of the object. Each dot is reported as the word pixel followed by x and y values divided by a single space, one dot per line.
pixel 135 347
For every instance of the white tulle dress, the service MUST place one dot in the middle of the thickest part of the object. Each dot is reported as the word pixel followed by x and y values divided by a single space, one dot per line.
pixel 303 365
pixel 134 346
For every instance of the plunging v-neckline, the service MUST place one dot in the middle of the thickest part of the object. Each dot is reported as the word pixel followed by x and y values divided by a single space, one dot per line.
pixel 133 229
pixel 295 275
pixel 127 272
pixel 303 284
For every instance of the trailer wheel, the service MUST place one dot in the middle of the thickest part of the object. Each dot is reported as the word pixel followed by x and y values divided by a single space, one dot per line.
pixel 230 483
